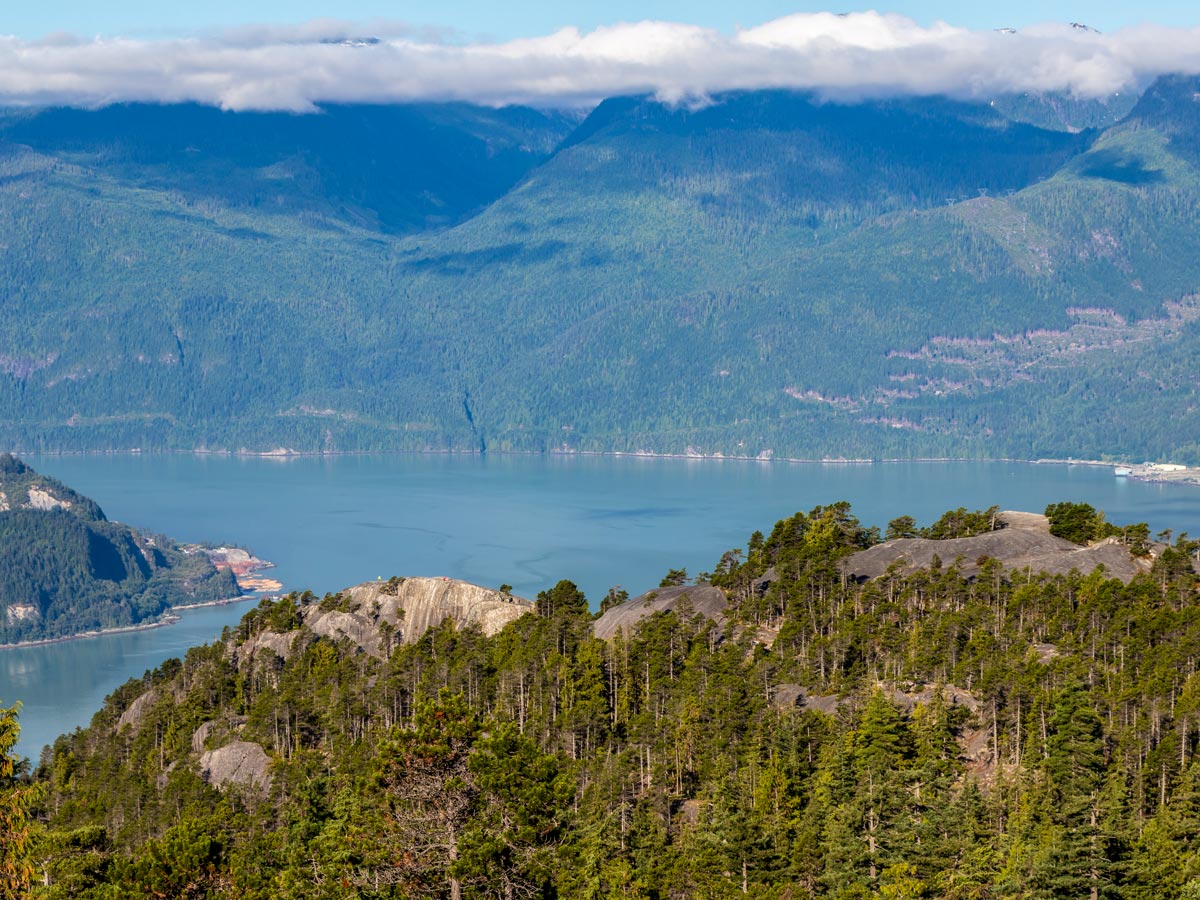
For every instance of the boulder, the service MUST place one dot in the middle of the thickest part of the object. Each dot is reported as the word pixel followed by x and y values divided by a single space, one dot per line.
pixel 242 763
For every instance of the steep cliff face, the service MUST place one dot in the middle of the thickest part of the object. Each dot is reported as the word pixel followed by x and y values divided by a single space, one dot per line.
pixel 414 605
pixel 230 751
pixel 379 615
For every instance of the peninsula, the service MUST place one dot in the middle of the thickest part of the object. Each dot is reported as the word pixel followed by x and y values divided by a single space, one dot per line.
pixel 67 571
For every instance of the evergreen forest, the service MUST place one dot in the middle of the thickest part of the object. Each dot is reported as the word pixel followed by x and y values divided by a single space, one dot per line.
pixel 919 735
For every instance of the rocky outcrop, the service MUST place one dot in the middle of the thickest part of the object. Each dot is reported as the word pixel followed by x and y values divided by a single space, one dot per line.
pixel 1025 545
pixel 45 501
pixel 200 736
pixel 1118 562
pixel 280 645
pixel 761 585
pixel 377 616
pixel 701 598
pixel 242 763
pixel 414 605
pixel 136 711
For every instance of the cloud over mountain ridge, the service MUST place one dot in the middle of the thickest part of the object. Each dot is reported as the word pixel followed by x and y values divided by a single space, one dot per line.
pixel 840 56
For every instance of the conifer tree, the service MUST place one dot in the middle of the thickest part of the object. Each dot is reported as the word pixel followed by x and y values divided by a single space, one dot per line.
pixel 16 799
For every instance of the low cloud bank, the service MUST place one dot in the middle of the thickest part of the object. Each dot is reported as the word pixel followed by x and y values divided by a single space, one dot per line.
pixel 841 56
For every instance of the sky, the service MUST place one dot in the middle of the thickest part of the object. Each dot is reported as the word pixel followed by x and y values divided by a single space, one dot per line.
pixel 491 20
pixel 294 56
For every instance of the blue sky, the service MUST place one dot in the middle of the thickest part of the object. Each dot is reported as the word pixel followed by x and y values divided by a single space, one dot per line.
pixel 475 19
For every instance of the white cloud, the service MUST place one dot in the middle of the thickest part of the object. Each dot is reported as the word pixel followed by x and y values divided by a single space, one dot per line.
pixel 846 56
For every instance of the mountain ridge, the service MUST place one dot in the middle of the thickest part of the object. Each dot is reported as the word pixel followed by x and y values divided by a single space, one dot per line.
pixel 665 282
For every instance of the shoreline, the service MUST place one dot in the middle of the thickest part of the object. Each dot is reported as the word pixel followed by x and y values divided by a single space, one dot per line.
pixel 167 620
pixel 288 454
pixel 226 601
pixel 1141 472
pixel 84 635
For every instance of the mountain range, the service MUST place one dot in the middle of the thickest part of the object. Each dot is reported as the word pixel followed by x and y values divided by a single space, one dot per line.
pixel 765 275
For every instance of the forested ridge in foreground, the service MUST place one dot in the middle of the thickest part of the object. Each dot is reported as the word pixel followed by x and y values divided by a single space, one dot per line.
pixel 918 735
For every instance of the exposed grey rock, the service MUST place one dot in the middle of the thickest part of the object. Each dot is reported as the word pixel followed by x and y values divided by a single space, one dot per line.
pixel 787 696
pixel 270 641
pixel 200 735
pixel 794 696
pixel 416 605
pixel 1013 518
pixel 1045 652
pixel 160 780
pixel 44 500
pixel 954 696
pixel 136 711
pixel 704 599
pixel 826 703
pixel 760 586
pixel 337 625
pixel 1026 545
pixel 1118 562
pixel 241 763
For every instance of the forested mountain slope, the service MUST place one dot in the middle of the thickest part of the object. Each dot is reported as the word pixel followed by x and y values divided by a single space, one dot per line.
pixel 919 735
pixel 65 569
pixel 767 275
pixel 395 169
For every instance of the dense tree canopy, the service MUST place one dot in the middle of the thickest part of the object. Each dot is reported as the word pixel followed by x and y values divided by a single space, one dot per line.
pixel 917 736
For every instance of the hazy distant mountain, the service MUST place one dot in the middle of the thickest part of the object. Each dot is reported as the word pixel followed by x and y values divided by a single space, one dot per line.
pixel 767 274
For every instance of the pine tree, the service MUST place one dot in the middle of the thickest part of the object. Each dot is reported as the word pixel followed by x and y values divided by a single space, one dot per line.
pixel 429 793
pixel 16 800
pixel 522 796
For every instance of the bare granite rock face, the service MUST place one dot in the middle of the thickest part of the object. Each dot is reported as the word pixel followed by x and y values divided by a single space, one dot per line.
pixel 270 641
pixel 335 625
pixel 410 607
pixel 241 763
pixel 44 500
pixel 200 735
pixel 1025 545
pixel 787 696
pixel 136 711
pixel 703 598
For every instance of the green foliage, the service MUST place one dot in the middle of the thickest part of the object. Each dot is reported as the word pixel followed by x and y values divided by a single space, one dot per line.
pixel 674 578
pixel 1077 522
pixel 902 527
pixel 16 799
pixel 1083 524
pixel 959 523
pixel 919 736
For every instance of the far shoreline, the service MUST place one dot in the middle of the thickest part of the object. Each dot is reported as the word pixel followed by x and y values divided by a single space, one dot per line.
pixel 1189 476
pixel 169 618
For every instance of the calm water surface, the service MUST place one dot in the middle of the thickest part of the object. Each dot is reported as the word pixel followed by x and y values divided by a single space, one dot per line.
pixel 524 520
